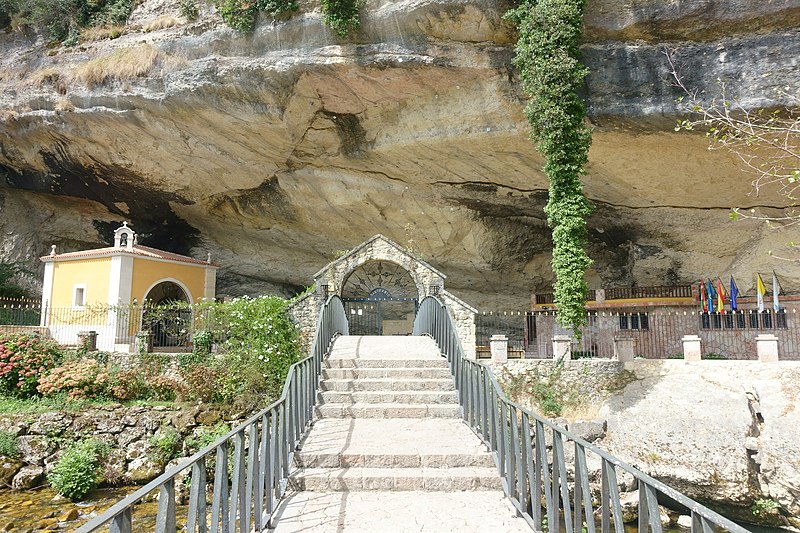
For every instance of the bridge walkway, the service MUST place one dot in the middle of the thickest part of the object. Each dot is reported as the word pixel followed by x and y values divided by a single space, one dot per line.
pixel 389 451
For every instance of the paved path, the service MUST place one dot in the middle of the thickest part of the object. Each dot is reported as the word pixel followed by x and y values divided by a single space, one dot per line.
pixel 389 451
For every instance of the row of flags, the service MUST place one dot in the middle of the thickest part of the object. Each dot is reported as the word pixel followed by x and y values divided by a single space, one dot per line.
pixel 713 298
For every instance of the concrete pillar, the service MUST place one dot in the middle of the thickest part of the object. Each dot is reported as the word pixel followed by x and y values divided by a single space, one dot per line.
pixel 498 345
pixel 767 348
pixel 562 347
pixel 623 348
pixel 600 296
pixel 691 348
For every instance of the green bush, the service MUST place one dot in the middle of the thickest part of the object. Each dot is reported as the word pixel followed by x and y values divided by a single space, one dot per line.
pixel 277 7
pixel 204 436
pixel 8 444
pixel 79 468
pixel 24 359
pixel 261 345
pixel 188 10
pixel 165 445
pixel 341 16
pixel 713 357
pixel 238 14
pixel 60 19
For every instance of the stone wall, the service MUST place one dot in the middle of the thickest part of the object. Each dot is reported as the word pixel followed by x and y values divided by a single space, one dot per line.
pixel 129 431
pixel 305 313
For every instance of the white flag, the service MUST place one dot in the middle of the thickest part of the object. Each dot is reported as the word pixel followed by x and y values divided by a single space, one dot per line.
pixel 776 290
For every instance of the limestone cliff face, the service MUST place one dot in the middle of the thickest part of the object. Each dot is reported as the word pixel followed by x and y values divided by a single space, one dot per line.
pixel 275 150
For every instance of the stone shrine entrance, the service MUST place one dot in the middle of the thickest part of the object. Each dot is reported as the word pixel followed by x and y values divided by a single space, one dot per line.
pixel 380 298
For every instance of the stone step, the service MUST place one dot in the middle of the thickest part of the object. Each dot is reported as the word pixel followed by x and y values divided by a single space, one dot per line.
pixel 389 397
pixel 387 384
pixel 377 460
pixel 383 410
pixel 392 373
pixel 396 479
pixel 385 363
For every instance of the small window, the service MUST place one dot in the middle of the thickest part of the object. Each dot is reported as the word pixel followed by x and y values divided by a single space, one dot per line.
pixel 766 320
pixel 753 320
pixel 634 321
pixel 80 296
pixel 780 319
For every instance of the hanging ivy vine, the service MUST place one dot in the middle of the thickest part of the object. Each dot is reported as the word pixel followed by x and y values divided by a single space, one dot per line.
pixel 341 16
pixel 548 59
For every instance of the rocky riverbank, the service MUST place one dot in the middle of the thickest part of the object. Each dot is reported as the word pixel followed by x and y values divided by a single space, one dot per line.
pixel 142 440
pixel 724 433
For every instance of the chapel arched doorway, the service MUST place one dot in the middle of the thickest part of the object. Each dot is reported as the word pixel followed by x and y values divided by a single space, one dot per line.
pixel 380 298
pixel 167 314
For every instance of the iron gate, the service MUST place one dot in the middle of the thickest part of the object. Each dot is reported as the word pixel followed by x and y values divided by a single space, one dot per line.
pixel 380 298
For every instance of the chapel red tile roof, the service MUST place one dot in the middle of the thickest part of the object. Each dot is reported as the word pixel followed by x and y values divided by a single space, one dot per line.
pixel 138 249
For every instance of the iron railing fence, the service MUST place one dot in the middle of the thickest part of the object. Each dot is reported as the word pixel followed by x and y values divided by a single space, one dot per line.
pixel 512 324
pixel 245 493
pixel 534 472
pixel 657 334
pixel 171 325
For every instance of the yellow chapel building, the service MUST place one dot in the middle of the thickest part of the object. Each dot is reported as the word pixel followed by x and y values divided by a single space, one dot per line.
pixel 91 289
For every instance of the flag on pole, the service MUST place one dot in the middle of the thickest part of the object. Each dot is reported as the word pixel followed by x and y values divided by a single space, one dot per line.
pixel 761 290
pixel 703 301
pixel 712 295
pixel 734 295
pixel 776 290
pixel 721 295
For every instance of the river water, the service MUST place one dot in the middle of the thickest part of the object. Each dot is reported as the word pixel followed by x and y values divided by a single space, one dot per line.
pixel 40 511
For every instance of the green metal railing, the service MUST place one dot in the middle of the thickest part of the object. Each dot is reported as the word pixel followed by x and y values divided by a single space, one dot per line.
pixel 530 453
pixel 246 492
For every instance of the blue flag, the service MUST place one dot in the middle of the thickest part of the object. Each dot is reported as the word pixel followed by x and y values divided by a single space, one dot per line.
pixel 711 295
pixel 734 293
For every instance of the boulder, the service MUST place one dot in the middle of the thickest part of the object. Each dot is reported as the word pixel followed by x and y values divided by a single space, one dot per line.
pixel 34 448
pixel 684 521
pixel 51 424
pixel 9 467
pixel 184 420
pixel 588 430
pixel 28 477
pixel 142 469
pixel 629 501
pixel 130 434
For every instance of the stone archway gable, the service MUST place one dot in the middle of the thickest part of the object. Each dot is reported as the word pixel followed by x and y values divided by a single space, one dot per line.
pixel 379 248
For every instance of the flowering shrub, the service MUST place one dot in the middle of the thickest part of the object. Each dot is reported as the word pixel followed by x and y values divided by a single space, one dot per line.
pixel 201 382
pixel 128 385
pixel 261 344
pixel 167 389
pixel 79 379
pixel 24 359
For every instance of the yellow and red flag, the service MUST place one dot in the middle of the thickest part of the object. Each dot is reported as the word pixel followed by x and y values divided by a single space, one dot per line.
pixel 721 295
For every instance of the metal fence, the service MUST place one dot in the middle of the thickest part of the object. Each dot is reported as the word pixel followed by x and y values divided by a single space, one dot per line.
pixel 514 325
pixel 171 326
pixel 657 333
pixel 261 451
pixel 534 472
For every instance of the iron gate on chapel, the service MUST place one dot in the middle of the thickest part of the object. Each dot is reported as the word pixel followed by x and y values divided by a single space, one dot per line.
pixel 380 298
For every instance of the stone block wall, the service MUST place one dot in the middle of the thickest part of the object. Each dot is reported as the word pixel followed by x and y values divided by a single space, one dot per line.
pixel 129 432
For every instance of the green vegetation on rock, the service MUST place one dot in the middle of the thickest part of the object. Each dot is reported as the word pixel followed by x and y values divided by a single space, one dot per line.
pixel 62 20
pixel 341 16
pixel 78 470
pixel 548 59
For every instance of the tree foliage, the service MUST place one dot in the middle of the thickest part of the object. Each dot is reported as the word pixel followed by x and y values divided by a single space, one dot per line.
pixel 548 59
pixel 9 286
pixel 767 142
pixel 60 19
pixel 341 16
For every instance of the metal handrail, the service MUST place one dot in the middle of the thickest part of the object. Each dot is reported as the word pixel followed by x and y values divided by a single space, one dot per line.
pixel 263 448
pixel 534 472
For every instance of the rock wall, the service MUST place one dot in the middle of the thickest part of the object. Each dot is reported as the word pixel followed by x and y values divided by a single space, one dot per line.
pixel 129 431
pixel 722 432
pixel 274 150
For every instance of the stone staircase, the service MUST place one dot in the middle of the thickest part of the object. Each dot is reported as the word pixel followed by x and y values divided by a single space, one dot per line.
pixel 388 435
pixel 390 423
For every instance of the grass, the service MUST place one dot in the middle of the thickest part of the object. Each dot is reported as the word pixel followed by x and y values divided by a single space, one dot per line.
pixel 101 33
pixel 11 405
pixel 122 65
pixel 160 23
